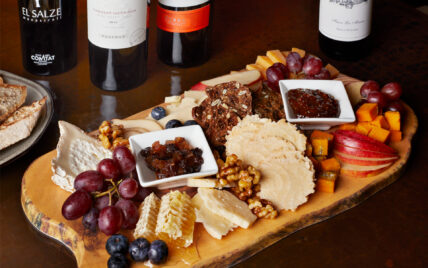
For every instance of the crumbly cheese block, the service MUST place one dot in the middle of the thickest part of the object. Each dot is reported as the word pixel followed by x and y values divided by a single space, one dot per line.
pixel 226 205
pixel 76 152
pixel 207 183
pixel 146 225
pixel 276 149
pixel 217 226
pixel 176 219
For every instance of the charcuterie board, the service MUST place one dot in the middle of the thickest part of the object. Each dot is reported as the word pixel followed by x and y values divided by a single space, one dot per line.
pixel 41 201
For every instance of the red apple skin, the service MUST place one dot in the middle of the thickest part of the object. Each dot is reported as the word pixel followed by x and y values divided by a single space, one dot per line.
pixel 345 158
pixel 358 152
pixel 361 174
pixel 198 87
pixel 357 140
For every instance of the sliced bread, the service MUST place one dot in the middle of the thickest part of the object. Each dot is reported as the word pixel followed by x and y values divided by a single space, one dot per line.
pixel 20 124
pixel 11 98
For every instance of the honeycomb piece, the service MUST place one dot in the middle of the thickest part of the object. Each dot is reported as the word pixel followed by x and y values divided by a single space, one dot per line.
pixel 146 225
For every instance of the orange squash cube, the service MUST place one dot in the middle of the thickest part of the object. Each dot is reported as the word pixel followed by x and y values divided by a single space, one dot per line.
pixel 264 61
pixel 258 67
pixel 332 70
pixel 363 128
pixel 301 52
pixel 394 120
pixel 318 134
pixel 276 56
pixel 326 182
pixel 396 136
pixel 320 146
pixel 380 121
pixel 379 134
pixel 330 164
pixel 348 126
pixel 367 112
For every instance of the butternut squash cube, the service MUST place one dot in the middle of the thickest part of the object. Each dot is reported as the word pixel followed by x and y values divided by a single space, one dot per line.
pixel 258 67
pixel 320 158
pixel 332 70
pixel 330 164
pixel 363 128
pixel 301 52
pixel 379 134
pixel 318 134
pixel 380 121
pixel 396 136
pixel 348 126
pixel 367 112
pixel 320 146
pixel 394 120
pixel 264 61
pixel 276 56
pixel 326 182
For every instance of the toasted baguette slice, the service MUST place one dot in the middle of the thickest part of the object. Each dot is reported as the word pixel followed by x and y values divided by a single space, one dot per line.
pixel 20 124
pixel 11 98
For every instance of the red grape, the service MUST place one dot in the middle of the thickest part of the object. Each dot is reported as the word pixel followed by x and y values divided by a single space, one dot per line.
pixel 282 68
pixel 124 158
pixel 368 87
pixel 76 205
pixel 90 219
pixel 103 201
pixel 312 65
pixel 395 106
pixel 294 62
pixel 273 75
pixel 323 75
pixel 379 98
pixel 142 193
pixel 392 91
pixel 90 181
pixel 110 220
pixel 130 213
pixel 128 188
pixel 109 168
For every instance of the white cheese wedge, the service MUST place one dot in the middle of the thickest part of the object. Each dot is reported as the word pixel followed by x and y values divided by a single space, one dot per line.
pixel 216 225
pixel 172 99
pixel 226 205
pixel 76 152
pixel 146 225
pixel 207 183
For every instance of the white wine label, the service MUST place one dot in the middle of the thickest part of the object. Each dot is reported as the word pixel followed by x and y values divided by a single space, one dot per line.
pixel 117 24
pixel 182 3
pixel 345 20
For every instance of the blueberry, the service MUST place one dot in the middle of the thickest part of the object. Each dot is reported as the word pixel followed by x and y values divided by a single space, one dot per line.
pixel 117 244
pixel 173 124
pixel 158 252
pixel 117 260
pixel 190 123
pixel 158 113
pixel 139 249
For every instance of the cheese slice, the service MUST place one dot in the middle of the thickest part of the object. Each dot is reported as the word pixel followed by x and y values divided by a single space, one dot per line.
pixel 207 183
pixel 76 152
pixel 216 225
pixel 146 225
pixel 227 205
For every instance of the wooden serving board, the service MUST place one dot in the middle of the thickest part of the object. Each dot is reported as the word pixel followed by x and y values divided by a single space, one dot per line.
pixel 42 201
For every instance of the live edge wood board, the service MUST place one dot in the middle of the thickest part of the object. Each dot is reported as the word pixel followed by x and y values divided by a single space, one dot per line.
pixel 42 200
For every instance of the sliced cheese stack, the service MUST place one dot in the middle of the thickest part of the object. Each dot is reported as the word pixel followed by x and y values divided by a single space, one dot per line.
pixel 171 219
pixel 220 211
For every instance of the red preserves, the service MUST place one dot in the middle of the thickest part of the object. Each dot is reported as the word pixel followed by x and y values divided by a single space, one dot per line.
pixel 175 157
pixel 308 103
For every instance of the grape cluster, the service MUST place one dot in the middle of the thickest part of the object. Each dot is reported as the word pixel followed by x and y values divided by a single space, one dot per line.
pixel 387 97
pixel 106 197
pixel 308 67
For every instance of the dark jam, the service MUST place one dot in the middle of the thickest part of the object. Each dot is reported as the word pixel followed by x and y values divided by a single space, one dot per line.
pixel 307 103
pixel 175 157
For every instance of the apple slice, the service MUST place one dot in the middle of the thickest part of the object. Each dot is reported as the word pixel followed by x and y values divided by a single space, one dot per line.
pixel 357 140
pixel 363 161
pixel 359 152
pixel 362 171
pixel 250 78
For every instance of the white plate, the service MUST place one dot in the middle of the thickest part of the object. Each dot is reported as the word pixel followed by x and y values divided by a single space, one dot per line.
pixel 332 87
pixel 193 135
pixel 34 92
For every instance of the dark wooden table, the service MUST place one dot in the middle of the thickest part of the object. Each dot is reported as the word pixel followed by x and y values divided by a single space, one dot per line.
pixel 389 229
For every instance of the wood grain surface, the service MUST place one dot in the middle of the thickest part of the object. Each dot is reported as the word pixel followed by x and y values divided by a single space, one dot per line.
pixel 42 200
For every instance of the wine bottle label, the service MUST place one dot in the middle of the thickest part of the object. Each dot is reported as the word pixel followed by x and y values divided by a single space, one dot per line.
pixel 345 20
pixel 35 11
pixel 183 21
pixel 117 24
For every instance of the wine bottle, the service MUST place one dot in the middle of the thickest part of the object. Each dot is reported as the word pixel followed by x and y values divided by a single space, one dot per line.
pixel 48 35
pixel 117 43
pixel 344 28
pixel 183 31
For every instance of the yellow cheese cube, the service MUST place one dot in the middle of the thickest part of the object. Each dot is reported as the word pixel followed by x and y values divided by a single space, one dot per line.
pixel 276 56
pixel 264 61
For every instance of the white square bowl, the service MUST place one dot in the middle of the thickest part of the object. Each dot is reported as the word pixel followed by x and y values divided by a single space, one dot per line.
pixel 193 135
pixel 332 87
